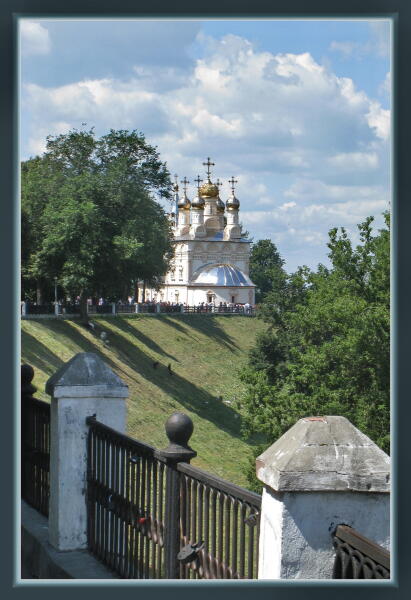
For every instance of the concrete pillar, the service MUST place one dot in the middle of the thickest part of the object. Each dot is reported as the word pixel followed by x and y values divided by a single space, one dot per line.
pixel 137 307
pixel 158 307
pixel 56 309
pixel 321 473
pixel 82 387
pixel 24 308
pixel 113 308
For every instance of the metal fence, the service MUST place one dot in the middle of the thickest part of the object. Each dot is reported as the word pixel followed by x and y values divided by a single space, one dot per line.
pixel 35 446
pixel 125 501
pixel 357 557
pixel 28 309
pixel 222 521
pixel 152 517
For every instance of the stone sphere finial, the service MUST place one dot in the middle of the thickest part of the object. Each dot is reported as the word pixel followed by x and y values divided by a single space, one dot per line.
pixel 27 374
pixel 179 428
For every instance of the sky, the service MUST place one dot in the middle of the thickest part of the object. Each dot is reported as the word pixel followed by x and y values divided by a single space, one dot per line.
pixel 298 111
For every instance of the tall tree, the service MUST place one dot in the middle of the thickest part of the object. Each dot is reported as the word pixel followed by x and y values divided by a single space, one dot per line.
pixel 326 350
pixel 266 269
pixel 89 215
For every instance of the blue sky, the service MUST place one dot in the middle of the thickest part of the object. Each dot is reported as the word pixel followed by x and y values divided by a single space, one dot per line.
pixel 297 111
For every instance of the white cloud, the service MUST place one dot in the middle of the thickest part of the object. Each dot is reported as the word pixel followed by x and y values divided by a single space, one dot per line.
pixel 353 161
pixel 34 38
pixel 309 149
pixel 378 44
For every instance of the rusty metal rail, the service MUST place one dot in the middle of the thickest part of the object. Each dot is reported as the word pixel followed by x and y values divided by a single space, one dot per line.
pixel 222 520
pixel 357 557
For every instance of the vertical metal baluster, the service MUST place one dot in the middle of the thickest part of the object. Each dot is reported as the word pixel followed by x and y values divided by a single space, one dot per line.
pixel 146 525
pixel 137 557
pixel 242 539
pixel 127 519
pixel 234 537
pixel 227 532
pixel 200 519
pixel 121 518
pixel 142 507
pixel 161 517
pixel 250 548
pixel 134 496
pixel 220 555
pixel 207 531
pixel 154 520
pixel 106 512
pixel 214 531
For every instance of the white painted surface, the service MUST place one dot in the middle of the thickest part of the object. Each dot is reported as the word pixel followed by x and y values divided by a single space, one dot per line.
pixel 319 474
pixel 70 406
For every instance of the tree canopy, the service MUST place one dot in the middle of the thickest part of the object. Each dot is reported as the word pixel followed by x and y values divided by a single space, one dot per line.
pixel 89 217
pixel 266 269
pixel 326 349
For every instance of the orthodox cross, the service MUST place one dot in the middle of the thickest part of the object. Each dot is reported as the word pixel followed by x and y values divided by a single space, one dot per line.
pixel 185 182
pixel 176 182
pixel 198 180
pixel 208 164
pixel 219 185
pixel 232 181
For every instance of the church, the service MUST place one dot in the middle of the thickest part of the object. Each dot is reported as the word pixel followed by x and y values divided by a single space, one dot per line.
pixel 211 258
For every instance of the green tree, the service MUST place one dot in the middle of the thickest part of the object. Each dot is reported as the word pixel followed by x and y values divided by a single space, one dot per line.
pixel 326 350
pixel 89 216
pixel 266 270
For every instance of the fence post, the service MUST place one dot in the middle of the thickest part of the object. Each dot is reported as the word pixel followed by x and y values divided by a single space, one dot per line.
pixel 137 307
pixel 158 307
pixel 82 387
pixel 321 473
pixel 179 428
pixel 113 308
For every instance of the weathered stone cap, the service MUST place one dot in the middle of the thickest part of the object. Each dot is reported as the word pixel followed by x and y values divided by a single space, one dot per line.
pixel 86 375
pixel 324 454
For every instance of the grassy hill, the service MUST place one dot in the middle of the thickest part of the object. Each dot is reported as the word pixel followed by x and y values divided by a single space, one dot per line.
pixel 206 354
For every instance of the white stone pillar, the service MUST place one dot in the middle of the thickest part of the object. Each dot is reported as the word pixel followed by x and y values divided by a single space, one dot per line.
pixel 82 387
pixel 137 307
pixel 321 473
pixel 56 309
pixel 158 307
pixel 113 308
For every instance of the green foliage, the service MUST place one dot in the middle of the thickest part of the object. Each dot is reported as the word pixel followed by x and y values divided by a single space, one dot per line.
pixel 326 351
pixel 266 270
pixel 88 215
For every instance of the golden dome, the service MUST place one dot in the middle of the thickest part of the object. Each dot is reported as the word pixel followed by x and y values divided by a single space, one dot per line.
pixel 184 203
pixel 198 202
pixel 208 190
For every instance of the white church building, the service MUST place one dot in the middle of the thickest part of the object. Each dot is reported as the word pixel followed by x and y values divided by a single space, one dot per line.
pixel 211 259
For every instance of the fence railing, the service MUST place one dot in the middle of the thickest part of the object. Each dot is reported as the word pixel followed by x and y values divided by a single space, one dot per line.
pixel 223 520
pixel 35 446
pixel 131 495
pixel 28 309
pixel 125 500
pixel 357 557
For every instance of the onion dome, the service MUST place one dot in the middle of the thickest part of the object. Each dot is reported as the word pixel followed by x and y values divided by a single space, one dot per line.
pixel 233 203
pixel 220 205
pixel 184 203
pixel 198 202
pixel 208 190
pixel 220 275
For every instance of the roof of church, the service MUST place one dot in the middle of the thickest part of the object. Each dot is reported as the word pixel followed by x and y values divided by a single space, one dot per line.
pixel 217 237
pixel 220 275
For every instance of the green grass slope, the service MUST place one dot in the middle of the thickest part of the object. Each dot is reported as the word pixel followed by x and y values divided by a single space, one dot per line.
pixel 206 354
